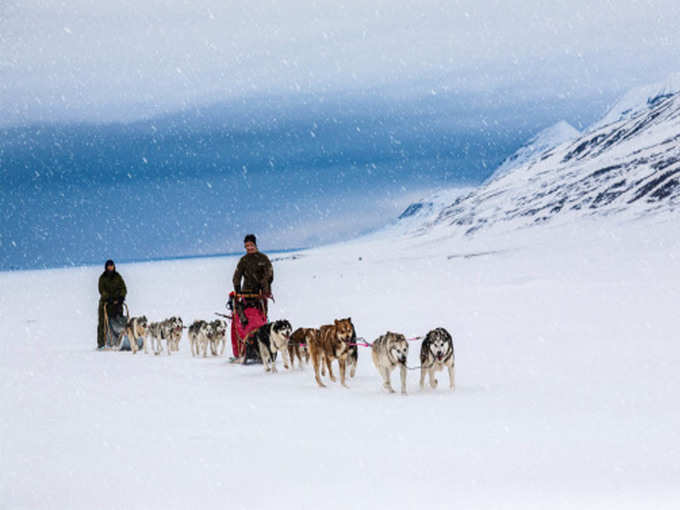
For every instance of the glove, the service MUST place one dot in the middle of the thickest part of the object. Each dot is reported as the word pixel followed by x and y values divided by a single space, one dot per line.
pixel 121 299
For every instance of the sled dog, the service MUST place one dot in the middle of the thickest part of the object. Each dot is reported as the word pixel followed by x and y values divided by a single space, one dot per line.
pixel 352 356
pixel 218 337
pixel 298 345
pixel 388 352
pixel 169 330
pixel 136 327
pixel 199 337
pixel 158 331
pixel 271 338
pixel 176 330
pixel 331 343
pixel 436 352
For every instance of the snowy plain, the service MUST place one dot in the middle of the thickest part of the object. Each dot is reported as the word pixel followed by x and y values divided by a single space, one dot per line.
pixel 568 369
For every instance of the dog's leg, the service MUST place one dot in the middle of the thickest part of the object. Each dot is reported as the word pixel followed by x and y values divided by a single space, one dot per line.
pixel 224 344
pixel 353 370
pixel 287 362
pixel 272 359
pixel 314 354
pixel 387 383
pixel 452 377
pixel 329 366
pixel 433 380
pixel 291 355
pixel 402 373
pixel 133 344
pixel 323 365
pixel 343 367
pixel 264 354
pixel 423 371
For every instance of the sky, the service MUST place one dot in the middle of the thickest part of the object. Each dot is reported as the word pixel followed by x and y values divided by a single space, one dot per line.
pixel 307 122
pixel 122 59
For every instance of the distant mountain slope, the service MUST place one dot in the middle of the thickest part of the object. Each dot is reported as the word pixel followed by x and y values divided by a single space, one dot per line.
pixel 630 166
pixel 546 139
pixel 637 98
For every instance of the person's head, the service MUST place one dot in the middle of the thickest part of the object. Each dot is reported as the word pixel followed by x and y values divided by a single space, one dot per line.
pixel 110 266
pixel 250 243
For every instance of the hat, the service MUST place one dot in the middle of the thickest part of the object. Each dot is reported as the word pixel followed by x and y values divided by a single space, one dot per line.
pixel 109 263
pixel 250 238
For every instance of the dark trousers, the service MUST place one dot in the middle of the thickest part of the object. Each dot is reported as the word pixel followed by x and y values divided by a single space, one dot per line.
pixel 101 326
pixel 112 311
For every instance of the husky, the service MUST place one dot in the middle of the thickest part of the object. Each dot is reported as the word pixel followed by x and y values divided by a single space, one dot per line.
pixel 176 330
pixel 169 330
pixel 331 343
pixel 158 331
pixel 352 356
pixel 136 327
pixel 388 352
pixel 218 337
pixel 199 337
pixel 271 338
pixel 436 352
pixel 298 345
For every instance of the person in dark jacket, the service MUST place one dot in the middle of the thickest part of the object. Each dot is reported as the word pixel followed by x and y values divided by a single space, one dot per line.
pixel 112 292
pixel 254 273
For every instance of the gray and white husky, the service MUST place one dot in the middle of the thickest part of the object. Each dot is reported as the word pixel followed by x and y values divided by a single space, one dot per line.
pixel 169 330
pixel 200 333
pixel 436 352
pixel 136 327
pixel 388 352
pixel 218 337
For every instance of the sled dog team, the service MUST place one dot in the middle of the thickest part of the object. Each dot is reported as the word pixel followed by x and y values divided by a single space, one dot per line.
pixel 337 341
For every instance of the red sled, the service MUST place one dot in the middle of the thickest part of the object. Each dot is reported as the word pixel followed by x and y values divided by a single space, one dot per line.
pixel 253 307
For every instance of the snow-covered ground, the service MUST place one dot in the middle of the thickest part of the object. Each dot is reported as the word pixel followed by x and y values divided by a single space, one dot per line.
pixel 568 367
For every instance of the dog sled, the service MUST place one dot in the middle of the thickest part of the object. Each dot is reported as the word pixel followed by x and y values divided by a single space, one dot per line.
pixel 248 313
pixel 115 324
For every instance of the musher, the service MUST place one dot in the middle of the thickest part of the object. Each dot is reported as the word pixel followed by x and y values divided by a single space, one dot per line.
pixel 252 287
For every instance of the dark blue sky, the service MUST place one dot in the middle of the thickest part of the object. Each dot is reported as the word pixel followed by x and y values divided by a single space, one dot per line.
pixel 298 171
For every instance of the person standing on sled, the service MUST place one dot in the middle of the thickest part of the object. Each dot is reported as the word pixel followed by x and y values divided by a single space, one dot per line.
pixel 112 292
pixel 252 287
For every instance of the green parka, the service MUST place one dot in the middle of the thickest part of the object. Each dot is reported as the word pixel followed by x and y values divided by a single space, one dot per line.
pixel 111 287
pixel 257 274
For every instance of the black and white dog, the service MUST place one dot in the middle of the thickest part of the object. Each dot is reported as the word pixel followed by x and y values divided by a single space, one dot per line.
pixel 271 338
pixel 436 352
pixel 200 333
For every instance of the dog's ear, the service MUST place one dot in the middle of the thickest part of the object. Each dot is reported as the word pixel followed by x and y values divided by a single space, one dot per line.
pixel 336 321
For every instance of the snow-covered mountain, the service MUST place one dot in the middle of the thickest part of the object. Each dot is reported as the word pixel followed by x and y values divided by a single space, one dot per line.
pixel 628 163
pixel 547 139
pixel 633 100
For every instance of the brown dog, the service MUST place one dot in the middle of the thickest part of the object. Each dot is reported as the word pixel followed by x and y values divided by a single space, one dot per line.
pixel 298 345
pixel 331 343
